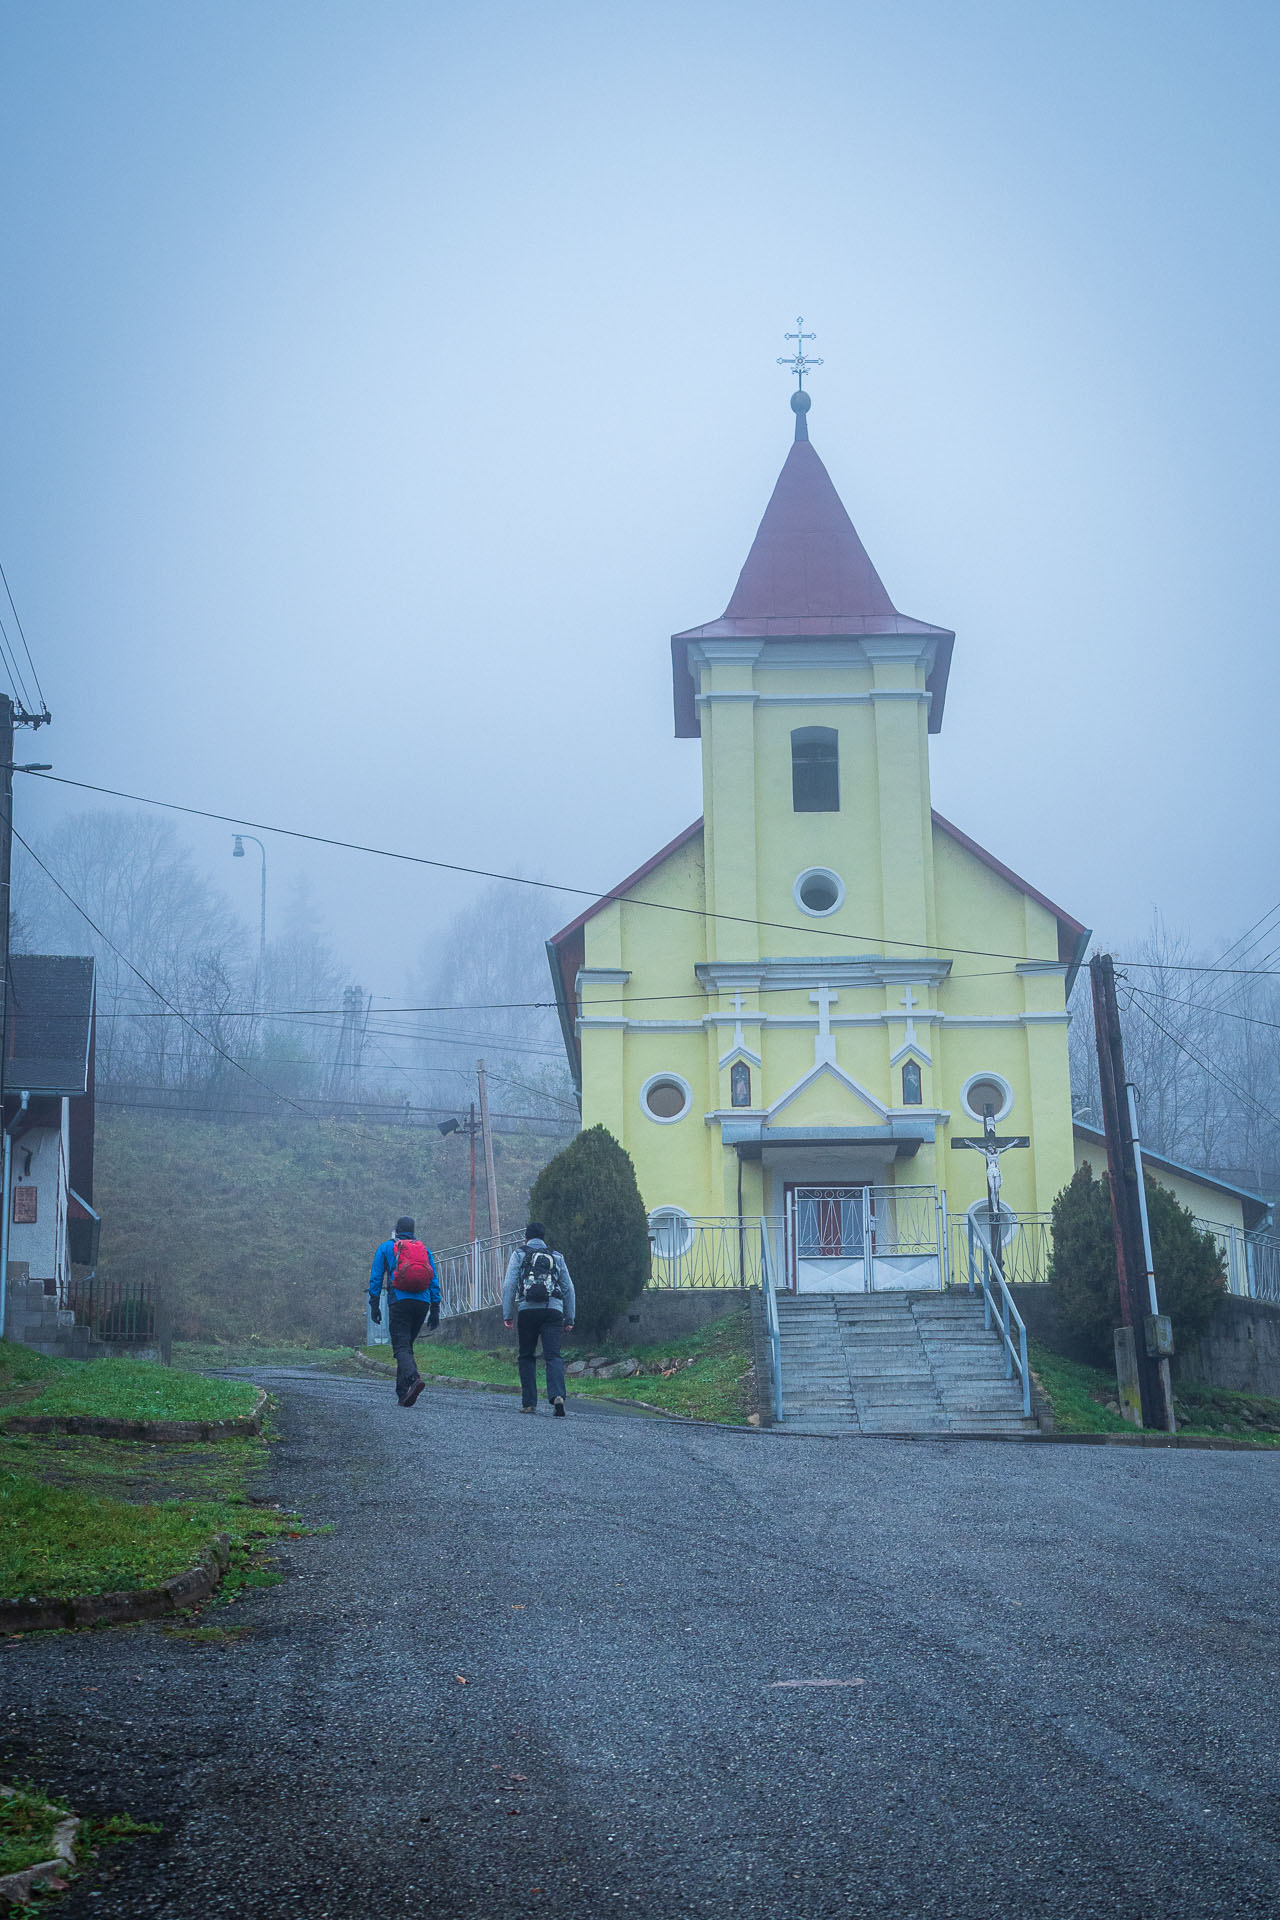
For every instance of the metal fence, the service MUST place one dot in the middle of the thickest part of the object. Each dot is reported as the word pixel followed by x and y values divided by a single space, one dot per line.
pixel 1026 1247
pixel 119 1310
pixel 685 1252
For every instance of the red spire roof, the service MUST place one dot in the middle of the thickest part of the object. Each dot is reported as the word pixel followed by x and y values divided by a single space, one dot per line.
pixel 807 576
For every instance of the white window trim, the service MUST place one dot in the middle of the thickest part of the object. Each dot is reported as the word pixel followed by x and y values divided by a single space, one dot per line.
pixel 672 1214
pixel 987 1073
pixel 813 873
pixel 666 1119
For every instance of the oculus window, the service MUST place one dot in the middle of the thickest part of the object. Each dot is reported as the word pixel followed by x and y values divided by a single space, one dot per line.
pixel 818 891
pixel 666 1097
pixel 815 770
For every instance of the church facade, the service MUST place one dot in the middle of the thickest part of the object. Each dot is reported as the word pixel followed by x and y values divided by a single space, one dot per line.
pixel 795 1009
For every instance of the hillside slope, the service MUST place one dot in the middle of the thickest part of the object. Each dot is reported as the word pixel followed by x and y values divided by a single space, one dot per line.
pixel 269 1227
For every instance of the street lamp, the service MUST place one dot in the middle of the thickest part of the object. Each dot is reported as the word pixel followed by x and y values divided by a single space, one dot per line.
pixel 470 1127
pixel 237 853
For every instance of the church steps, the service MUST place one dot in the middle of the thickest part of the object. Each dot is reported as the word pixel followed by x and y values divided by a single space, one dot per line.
pixel 894 1364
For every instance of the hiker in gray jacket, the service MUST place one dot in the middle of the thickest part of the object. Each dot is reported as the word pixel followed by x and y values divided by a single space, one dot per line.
pixel 538 1295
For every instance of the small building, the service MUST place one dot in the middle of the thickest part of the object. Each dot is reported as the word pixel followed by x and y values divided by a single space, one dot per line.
pixel 793 1013
pixel 49 1222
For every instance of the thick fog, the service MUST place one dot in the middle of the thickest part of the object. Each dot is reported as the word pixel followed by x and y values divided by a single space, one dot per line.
pixel 387 382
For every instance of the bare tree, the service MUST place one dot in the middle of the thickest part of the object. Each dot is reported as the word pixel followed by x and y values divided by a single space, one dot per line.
pixel 490 965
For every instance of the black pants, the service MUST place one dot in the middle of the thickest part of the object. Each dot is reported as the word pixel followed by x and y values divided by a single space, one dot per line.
pixel 532 1322
pixel 405 1322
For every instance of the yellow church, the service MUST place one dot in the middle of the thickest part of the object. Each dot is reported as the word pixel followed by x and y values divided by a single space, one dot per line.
pixel 793 1010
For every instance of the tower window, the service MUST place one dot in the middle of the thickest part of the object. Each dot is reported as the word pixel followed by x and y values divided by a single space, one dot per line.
pixel 910 1084
pixel 815 770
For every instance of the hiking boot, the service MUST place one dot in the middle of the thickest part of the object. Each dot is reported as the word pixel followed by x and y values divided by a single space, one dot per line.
pixel 558 1406
pixel 413 1392
pixel 528 1409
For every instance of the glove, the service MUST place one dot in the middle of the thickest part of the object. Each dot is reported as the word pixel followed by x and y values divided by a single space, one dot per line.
pixel 375 1312
pixel 433 1318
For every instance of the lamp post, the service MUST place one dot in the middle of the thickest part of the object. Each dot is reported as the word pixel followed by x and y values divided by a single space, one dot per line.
pixel 237 853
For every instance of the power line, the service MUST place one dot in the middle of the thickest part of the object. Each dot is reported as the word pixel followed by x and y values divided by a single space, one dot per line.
pixel 1197 1006
pixel 1237 1093
pixel 605 898
pixel 44 705
pixel 340 1107
pixel 219 1050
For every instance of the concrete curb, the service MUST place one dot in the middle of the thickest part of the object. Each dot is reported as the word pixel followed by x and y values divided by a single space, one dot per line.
pixel 104 1427
pixel 17 1887
pixel 1191 1442
pixel 187 1589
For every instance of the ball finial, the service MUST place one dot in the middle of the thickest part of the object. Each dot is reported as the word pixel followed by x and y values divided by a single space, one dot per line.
pixel 800 401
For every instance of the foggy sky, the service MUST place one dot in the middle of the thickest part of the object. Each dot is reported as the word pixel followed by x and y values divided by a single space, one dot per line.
pixel 387 382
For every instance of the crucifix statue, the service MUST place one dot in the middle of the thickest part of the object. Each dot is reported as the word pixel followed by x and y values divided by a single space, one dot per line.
pixel 992 1145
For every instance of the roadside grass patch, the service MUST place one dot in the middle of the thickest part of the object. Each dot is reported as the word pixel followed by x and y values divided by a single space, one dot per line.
pixel 57 1542
pixel 1083 1400
pixel 1237 1416
pixel 27 1820
pixel 708 1379
pixel 259 1350
pixel 1077 1393
pixel 23 1367
pixel 135 1390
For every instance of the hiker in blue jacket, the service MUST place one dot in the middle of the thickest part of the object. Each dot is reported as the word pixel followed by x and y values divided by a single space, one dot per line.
pixel 407 1269
pixel 539 1293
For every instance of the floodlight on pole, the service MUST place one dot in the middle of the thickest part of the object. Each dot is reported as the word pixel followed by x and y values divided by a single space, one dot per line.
pixel 237 853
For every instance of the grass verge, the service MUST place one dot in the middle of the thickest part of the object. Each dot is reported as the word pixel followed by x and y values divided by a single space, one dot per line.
pixel 27 1821
pixel 1077 1393
pixel 195 1356
pixel 115 1389
pixel 705 1376
pixel 80 1515
pixel 1083 1400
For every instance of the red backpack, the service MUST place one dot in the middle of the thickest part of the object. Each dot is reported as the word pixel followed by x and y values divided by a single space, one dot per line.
pixel 414 1272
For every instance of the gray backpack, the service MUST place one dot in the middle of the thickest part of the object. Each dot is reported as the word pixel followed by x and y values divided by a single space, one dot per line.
pixel 539 1281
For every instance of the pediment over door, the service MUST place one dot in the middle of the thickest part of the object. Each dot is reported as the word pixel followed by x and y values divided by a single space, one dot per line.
pixel 827 1096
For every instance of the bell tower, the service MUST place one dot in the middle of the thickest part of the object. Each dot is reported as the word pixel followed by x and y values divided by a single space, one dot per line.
pixel 814 699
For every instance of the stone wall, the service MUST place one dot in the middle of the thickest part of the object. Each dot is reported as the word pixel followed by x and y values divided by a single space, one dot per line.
pixel 1240 1351
pixel 660 1314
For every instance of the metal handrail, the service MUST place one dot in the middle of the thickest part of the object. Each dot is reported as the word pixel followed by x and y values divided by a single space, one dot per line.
pixel 771 1317
pixel 1002 1314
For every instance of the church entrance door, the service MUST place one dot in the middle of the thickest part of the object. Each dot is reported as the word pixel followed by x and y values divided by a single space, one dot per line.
pixel 830 1234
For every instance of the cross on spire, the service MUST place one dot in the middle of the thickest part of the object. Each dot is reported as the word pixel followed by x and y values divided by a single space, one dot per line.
pixel 799 362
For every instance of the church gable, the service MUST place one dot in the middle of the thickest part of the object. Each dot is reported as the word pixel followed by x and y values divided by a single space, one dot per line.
pixel 827 1096
pixel 983 904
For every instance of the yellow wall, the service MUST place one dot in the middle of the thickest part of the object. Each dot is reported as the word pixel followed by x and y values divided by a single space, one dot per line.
pixel 911 890
pixel 1206 1202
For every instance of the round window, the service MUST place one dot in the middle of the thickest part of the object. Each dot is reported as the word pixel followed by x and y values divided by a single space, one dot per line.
pixel 670 1232
pixel 983 1090
pixel 818 891
pixel 666 1097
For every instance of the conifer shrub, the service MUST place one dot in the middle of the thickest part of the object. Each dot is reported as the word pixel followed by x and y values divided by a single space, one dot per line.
pixel 1190 1279
pixel 588 1200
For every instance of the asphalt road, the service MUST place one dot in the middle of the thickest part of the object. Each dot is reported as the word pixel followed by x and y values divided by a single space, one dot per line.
pixel 1057 1681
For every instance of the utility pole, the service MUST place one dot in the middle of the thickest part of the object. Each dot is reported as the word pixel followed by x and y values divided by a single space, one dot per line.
pixel 486 1132
pixel 10 716
pixel 6 869
pixel 471 1130
pixel 1143 1342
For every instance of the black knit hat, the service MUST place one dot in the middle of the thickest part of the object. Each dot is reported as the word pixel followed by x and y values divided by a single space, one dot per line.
pixel 404 1228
